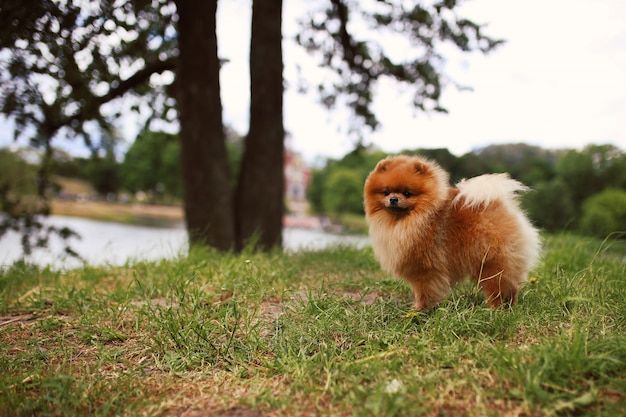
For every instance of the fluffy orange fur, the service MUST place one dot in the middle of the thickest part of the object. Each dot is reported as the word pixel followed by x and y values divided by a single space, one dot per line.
pixel 433 235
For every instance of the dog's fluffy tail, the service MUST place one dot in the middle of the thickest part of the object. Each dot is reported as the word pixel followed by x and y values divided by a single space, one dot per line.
pixel 485 189
pixel 479 192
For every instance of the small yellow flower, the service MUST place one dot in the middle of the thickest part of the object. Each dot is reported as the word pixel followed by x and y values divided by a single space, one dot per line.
pixel 532 280
pixel 411 314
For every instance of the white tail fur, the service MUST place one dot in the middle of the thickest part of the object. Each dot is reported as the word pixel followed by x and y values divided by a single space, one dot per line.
pixel 488 188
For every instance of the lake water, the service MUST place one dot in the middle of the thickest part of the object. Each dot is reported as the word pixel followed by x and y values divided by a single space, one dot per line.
pixel 106 243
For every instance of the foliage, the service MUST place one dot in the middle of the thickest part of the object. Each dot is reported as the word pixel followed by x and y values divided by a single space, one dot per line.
pixel 66 165
pixel 64 60
pixel 530 164
pixel 359 61
pixel 21 210
pixel 311 333
pixel 550 205
pixel 605 213
pixel 591 170
pixel 338 188
pixel 17 180
pixel 343 192
pixel 152 164
pixel 315 191
pixel 443 156
pixel 468 166
pixel 234 149
pixel 104 175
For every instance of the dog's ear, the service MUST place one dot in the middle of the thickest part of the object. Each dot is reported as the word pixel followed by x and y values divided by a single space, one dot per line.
pixel 420 167
pixel 382 165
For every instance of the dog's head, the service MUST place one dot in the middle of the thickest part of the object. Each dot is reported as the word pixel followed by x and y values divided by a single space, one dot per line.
pixel 402 185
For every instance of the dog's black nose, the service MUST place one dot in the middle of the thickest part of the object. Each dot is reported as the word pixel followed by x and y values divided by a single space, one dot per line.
pixel 393 201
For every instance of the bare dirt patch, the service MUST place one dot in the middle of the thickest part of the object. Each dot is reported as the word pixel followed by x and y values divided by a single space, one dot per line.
pixel 197 412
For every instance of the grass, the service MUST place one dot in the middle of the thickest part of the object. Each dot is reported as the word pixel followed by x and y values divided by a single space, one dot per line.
pixel 353 223
pixel 312 333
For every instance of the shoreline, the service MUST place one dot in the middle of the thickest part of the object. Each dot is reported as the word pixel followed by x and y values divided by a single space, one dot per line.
pixel 159 215
pixel 132 213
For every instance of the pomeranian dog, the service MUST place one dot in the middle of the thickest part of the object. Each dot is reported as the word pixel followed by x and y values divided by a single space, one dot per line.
pixel 433 235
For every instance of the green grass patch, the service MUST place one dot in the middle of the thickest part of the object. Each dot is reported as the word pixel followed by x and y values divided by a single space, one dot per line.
pixel 353 223
pixel 311 333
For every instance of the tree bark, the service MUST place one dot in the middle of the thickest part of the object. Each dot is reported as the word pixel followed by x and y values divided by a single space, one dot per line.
pixel 259 197
pixel 207 193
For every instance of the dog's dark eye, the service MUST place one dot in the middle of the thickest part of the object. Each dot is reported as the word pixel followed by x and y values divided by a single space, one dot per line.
pixel 386 193
pixel 406 194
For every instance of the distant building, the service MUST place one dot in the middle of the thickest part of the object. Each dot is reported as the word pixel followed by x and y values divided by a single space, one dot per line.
pixel 297 177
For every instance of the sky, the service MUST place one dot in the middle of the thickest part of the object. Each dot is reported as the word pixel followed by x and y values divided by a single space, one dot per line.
pixel 559 81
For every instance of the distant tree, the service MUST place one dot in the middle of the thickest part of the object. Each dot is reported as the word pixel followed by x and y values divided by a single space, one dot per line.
pixel 469 165
pixel 104 175
pixel 170 173
pixel 537 170
pixel 343 192
pixel 17 182
pixel 362 159
pixel 527 163
pixel 549 204
pixel 234 148
pixel 605 213
pixel 592 170
pixel 442 156
pixel 64 164
pixel 315 191
pixel 103 170
pixel 326 193
pixel 152 164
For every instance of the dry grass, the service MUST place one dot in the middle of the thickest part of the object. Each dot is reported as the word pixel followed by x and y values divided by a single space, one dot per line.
pixel 125 213
pixel 74 186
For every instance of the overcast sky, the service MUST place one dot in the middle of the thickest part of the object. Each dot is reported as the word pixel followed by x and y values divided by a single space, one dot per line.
pixel 559 81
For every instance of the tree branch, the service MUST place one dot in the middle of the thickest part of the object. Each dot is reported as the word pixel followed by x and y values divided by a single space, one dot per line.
pixel 137 79
pixel 122 88
pixel 346 40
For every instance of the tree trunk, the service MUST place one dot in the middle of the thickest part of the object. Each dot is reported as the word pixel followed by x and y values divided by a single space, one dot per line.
pixel 207 192
pixel 259 197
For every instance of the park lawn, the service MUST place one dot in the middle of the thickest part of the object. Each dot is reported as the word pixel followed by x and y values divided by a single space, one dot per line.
pixel 311 333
